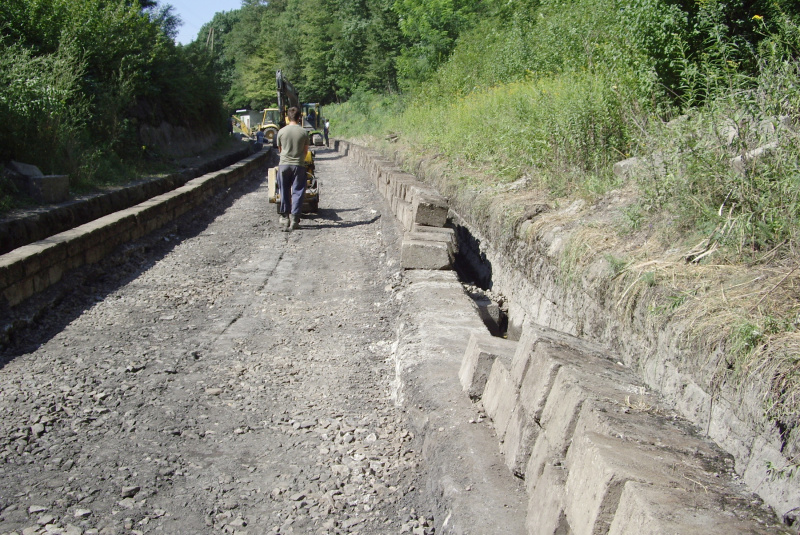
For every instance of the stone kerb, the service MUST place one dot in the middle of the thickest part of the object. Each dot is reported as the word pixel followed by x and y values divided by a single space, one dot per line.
pixel 32 268
pixel 40 223
pixel 579 427
pixel 417 206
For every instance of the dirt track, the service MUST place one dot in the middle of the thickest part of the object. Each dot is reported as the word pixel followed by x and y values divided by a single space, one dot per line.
pixel 219 376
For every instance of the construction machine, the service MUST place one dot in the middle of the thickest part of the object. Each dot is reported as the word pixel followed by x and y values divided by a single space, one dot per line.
pixel 246 121
pixel 270 124
pixel 312 122
pixel 249 122
pixel 311 197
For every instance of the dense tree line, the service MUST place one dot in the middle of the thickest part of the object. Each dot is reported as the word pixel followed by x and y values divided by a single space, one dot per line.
pixel 79 77
pixel 328 49
pixel 333 49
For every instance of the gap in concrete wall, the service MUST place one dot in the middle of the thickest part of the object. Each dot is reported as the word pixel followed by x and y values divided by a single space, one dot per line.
pixel 475 272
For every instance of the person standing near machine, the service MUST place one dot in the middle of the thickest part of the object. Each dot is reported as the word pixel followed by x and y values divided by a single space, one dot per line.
pixel 293 147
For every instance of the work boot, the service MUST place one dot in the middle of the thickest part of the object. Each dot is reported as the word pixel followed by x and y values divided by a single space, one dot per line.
pixel 294 222
pixel 283 223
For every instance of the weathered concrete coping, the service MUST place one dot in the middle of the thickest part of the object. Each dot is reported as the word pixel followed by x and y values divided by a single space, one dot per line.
pixel 469 487
pixel 417 206
pixel 32 268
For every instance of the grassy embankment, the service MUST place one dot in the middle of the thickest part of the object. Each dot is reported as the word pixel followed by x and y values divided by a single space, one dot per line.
pixel 538 109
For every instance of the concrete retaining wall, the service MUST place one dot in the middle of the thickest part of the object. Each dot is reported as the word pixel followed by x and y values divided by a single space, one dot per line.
pixel 599 450
pixel 32 268
pixel 38 224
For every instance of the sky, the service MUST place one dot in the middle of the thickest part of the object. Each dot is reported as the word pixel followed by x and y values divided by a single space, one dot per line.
pixel 195 13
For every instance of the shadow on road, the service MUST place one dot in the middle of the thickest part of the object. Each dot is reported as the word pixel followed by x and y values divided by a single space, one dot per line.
pixel 328 155
pixel 331 215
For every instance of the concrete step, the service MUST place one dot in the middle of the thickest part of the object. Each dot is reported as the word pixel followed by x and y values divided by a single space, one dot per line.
pixel 482 350
pixel 417 206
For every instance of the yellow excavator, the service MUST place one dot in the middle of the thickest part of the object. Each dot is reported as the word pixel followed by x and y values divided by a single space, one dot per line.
pixel 287 98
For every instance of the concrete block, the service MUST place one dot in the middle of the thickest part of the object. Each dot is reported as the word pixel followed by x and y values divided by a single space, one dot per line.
pixel 482 350
pixel 600 466
pixel 650 510
pixel 384 174
pixel 521 433
pixel 546 504
pixel 542 366
pixel 4 277
pixel 533 392
pixel 430 210
pixel 636 420
pixel 417 254
pixel 379 164
pixel 499 397
pixel 419 189
pixel 443 237
pixel 400 185
pixel 12 265
pixel 572 389
pixel 25 169
pixel 41 280
pixel 407 216
pixel 19 291
pixel 49 189
pixel 533 334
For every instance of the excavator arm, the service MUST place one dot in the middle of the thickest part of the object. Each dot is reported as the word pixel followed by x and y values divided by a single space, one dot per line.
pixel 287 96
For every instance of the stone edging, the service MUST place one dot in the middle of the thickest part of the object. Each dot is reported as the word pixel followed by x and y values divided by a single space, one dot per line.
pixel 30 269
pixel 42 223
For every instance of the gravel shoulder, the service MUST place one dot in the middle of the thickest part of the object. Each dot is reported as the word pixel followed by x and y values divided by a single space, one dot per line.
pixel 220 376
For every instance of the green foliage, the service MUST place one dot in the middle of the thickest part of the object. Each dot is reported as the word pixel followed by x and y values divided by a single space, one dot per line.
pixel 337 48
pixel 616 264
pixel 365 113
pixel 431 28
pixel 41 105
pixel 553 128
pixel 733 164
pixel 79 77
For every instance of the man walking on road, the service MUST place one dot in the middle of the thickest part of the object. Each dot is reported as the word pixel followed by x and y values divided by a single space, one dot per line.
pixel 293 147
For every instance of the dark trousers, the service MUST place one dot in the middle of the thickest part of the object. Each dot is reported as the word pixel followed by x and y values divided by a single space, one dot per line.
pixel 292 184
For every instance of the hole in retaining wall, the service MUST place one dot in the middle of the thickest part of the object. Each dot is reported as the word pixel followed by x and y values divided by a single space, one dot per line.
pixel 475 272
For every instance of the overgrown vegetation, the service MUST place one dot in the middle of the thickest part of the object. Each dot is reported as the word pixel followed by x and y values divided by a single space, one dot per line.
pixel 705 94
pixel 78 78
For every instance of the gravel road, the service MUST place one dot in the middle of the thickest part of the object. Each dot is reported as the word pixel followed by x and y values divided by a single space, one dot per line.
pixel 219 376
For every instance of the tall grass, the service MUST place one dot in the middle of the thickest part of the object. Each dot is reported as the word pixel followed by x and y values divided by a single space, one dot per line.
pixel 554 130
pixel 733 162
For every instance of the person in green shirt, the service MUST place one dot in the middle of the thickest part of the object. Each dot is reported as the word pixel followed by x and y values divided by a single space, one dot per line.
pixel 293 146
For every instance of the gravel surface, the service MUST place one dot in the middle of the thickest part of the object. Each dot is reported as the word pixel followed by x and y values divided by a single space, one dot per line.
pixel 220 376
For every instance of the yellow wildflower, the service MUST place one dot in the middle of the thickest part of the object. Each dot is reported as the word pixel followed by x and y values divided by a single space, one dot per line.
pixel 758 18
